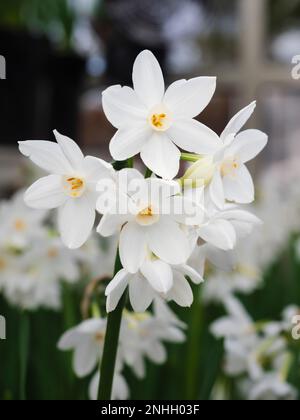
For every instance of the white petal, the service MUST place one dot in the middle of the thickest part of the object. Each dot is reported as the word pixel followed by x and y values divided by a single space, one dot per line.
pixel 188 98
pixel 181 292
pixel 248 144
pixel 46 193
pixel 238 121
pixel 94 386
pixel 69 340
pixel 76 220
pixel 186 270
pixel 148 79
pixel 216 190
pixel 168 241
pixel 111 224
pixel 115 289
pixel 156 352
pixel 122 106
pixel 47 155
pixel 193 136
pixel 159 274
pixel 132 246
pixel 85 358
pixel 96 169
pixel 240 188
pixel 140 293
pixel 70 149
pixel 161 156
pixel 128 142
pixel 219 233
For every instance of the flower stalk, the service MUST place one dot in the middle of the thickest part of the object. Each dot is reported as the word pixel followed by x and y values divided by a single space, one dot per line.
pixel 24 352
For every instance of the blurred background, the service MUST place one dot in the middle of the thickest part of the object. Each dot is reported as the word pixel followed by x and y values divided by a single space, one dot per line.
pixel 61 54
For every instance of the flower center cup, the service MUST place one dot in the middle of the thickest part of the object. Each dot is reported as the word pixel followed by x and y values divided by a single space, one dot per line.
pixel 147 216
pixel 230 167
pixel 160 118
pixel 19 225
pixel 74 186
pixel 2 264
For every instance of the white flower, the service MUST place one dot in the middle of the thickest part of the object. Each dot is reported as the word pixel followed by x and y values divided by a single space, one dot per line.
pixel 272 387
pixel 153 122
pixel 120 389
pixel 154 278
pixel 224 170
pixel 150 217
pixel 19 225
pixel 87 341
pixel 142 336
pixel 52 260
pixel 71 187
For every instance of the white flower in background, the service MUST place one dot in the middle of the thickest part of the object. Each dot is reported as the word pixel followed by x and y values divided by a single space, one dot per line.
pixel 51 260
pixel 87 341
pixel 142 336
pixel 98 255
pixel 27 290
pixel 71 187
pixel 120 389
pixel 271 387
pixel 153 122
pixel 19 225
pixel 150 222
pixel 154 278
pixel 224 170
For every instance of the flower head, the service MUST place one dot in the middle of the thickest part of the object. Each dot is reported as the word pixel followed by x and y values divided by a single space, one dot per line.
pixel 155 122
pixel 70 187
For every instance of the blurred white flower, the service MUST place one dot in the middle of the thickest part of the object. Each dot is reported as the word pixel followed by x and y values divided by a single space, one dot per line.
pixel 87 341
pixel 71 187
pixel 153 122
pixel 19 225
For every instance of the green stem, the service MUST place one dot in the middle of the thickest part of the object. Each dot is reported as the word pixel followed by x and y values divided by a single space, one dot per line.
pixel 24 351
pixel 189 157
pixel 148 173
pixel 107 365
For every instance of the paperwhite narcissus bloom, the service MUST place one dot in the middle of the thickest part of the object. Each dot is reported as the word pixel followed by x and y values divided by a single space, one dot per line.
pixel 142 336
pixel 153 122
pixel 155 277
pixel 271 387
pixel 224 170
pixel 87 341
pixel 150 217
pixel 71 187
pixel 19 225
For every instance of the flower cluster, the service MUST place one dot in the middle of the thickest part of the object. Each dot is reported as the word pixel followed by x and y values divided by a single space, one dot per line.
pixel 258 353
pixel 142 337
pixel 161 221
pixel 33 261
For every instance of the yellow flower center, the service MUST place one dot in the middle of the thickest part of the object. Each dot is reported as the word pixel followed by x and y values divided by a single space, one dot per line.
pixel 99 337
pixel 2 264
pixel 19 225
pixel 74 186
pixel 147 216
pixel 230 167
pixel 159 118
pixel 52 253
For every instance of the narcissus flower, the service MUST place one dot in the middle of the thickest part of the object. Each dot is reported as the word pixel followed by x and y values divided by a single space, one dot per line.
pixel 224 170
pixel 71 187
pixel 153 122
pixel 149 217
